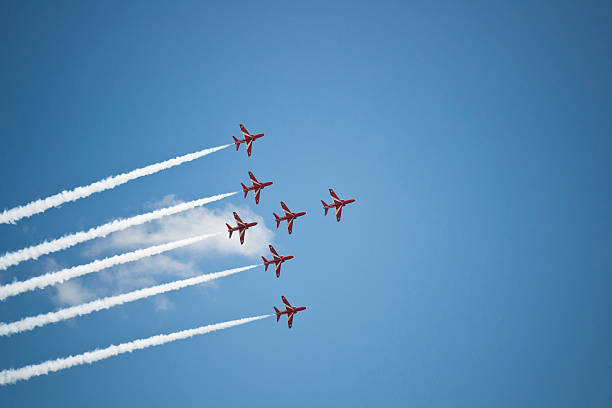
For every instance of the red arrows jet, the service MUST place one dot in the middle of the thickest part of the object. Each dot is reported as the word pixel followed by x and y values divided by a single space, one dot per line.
pixel 289 217
pixel 248 139
pixel 241 227
pixel 257 187
pixel 289 311
pixel 337 204
pixel 277 260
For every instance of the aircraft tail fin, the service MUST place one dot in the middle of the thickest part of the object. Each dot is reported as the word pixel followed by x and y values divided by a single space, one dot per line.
pixel 278 220
pixel 229 229
pixel 266 264
pixel 237 142
pixel 278 313
pixel 325 207
pixel 244 188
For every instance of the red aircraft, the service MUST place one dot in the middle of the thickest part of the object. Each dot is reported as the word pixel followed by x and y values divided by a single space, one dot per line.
pixel 257 187
pixel 241 227
pixel 337 204
pixel 277 260
pixel 289 217
pixel 289 311
pixel 248 139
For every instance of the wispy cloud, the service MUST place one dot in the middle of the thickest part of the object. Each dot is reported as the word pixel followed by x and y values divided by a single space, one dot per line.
pixel 72 293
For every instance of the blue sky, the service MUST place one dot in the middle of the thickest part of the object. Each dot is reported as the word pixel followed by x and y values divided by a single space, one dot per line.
pixel 473 270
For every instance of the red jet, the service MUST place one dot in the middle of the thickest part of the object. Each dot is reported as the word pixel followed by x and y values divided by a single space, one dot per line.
pixel 241 227
pixel 337 204
pixel 277 260
pixel 289 311
pixel 257 187
pixel 248 139
pixel 289 217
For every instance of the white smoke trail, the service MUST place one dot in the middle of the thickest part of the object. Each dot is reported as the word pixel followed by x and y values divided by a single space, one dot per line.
pixel 67 241
pixel 30 323
pixel 14 214
pixel 11 376
pixel 62 276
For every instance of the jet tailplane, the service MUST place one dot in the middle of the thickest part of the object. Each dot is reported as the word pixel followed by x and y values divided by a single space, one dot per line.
pixel 278 313
pixel 325 206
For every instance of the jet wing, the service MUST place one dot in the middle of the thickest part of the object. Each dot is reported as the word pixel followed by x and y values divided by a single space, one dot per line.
pixel 290 225
pixel 334 196
pixel 278 267
pixel 238 220
pixel 243 130
pixel 253 179
pixel 285 208
pixel 257 193
pixel 242 231
pixel 273 250
pixel 290 320
pixel 285 301
pixel 338 213
pixel 249 145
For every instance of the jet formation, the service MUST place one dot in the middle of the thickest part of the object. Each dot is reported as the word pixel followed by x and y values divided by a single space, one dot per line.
pixel 256 186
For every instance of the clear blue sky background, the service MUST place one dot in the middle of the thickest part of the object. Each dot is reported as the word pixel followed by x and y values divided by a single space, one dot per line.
pixel 474 269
